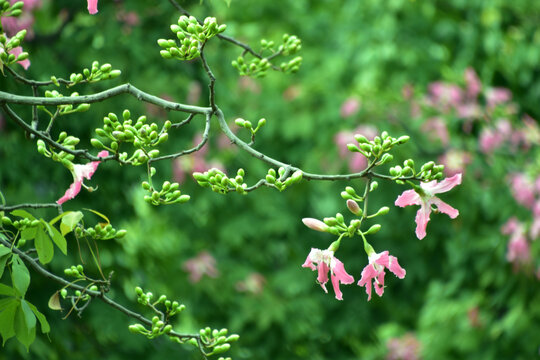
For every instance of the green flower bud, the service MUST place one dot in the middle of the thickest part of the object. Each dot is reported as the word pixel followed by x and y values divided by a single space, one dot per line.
pixel 121 233
pixel 233 338
pixel 165 54
pixel 361 139
pixel 96 143
pixel 354 208
pixel 373 229
pixel 374 185
pixel 114 74
pixel 183 199
pixel 352 148
pixel 221 349
pixel 403 139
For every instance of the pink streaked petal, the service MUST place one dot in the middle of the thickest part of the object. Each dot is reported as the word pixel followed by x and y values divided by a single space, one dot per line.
pixel 341 274
pixel 379 284
pixel 335 285
pixel 73 190
pixel 422 218
pixel 382 259
pixel 445 208
pixel 447 184
pixel 309 264
pixel 409 197
pixel 92 6
pixel 395 268
pixel 322 276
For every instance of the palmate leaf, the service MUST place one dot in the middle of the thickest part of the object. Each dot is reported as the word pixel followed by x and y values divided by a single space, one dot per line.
pixel 69 221
pixel 5 253
pixel 45 328
pixel 56 236
pixel 23 318
pixel 7 319
pixel 44 246
pixel 19 275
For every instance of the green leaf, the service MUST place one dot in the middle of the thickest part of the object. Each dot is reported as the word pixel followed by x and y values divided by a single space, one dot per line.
pixel 7 320
pixel 23 214
pixel 70 220
pixel 19 275
pixel 23 332
pixel 55 235
pixel 28 233
pixel 59 240
pixel 45 328
pixel 5 253
pixel 29 317
pixel 100 215
pixel 44 246
pixel 7 290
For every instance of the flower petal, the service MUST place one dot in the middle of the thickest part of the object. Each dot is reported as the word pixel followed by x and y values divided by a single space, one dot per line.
pixel 379 284
pixel 445 185
pixel 92 6
pixel 422 218
pixel 445 208
pixel 73 190
pixel 322 276
pixel 341 274
pixel 335 284
pixel 409 197
pixel 395 268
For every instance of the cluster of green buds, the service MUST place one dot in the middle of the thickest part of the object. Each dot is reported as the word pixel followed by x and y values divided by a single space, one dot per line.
pixel 219 182
pixel 94 74
pixel 169 194
pixel 76 271
pixel 77 293
pixel 7 45
pixel 140 134
pixel 377 149
pixel 66 141
pixel 282 182
pixel 100 232
pixel 428 172
pixel 192 37
pixel 215 340
pixel 64 109
pixel 246 124
pixel 21 224
pixel 160 324
pixel 6 9
pixel 259 65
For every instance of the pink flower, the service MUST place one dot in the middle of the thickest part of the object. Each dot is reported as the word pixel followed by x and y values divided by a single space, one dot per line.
pixel 79 173
pixel 92 6
pixel 435 127
pixel 495 96
pixel 424 196
pixel 17 51
pixel 254 284
pixel 406 347
pixel 326 261
pixel 350 107
pixel 522 189
pixel 473 83
pixel 375 270
pixel 455 161
pixel 202 264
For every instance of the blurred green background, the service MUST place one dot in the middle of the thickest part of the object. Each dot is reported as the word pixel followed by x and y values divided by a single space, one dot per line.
pixel 461 299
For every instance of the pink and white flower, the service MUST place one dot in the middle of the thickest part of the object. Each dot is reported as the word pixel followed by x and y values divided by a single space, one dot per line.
pixel 375 271
pixel 324 261
pixel 202 264
pixel 80 172
pixel 425 197
pixel 92 6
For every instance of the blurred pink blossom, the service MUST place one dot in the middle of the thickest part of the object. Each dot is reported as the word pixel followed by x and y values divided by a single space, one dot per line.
pixel 202 264
pixel 518 251
pixel 356 161
pixel 245 83
pixel 195 162
pixel 490 140
pixel 522 189
pixel 350 107
pixel 407 92
pixel 17 51
pixel 253 284
pixel 443 94
pixel 324 261
pixel 425 197
pixel 92 6
pixel 455 161
pixel 474 86
pixel 130 18
pixel 497 95
pixel 292 92
pixel 194 92
pixel 375 271
pixel 12 25
pixel 474 318
pixel 406 347
pixel 435 128
pixel 535 226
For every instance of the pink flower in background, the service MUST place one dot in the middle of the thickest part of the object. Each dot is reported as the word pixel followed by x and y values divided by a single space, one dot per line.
pixel 406 347
pixel 17 51
pixel 425 197
pixel 356 161
pixel 292 92
pixel 12 25
pixel 194 92
pixel 92 6
pixel 324 261
pixel 474 86
pixel 535 226
pixel 455 161
pixel 253 284
pixel 522 189
pixel 375 271
pixel 435 128
pixel 496 96
pixel 518 251
pixel 80 172
pixel 245 83
pixel 202 264
pixel 493 138
pixel 442 94
pixel 349 107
